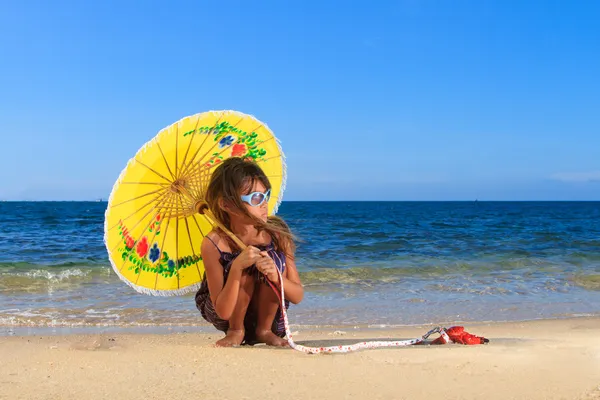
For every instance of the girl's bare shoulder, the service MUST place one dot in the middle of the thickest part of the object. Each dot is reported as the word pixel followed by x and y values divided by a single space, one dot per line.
pixel 216 236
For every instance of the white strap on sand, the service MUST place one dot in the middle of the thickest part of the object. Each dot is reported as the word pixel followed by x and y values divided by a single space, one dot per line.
pixel 350 347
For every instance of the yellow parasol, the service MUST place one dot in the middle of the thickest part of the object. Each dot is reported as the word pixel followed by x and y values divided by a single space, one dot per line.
pixel 156 216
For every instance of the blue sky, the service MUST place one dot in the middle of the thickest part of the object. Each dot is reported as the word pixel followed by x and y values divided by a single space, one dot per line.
pixel 382 100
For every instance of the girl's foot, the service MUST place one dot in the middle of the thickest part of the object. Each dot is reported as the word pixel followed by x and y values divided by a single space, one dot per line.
pixel 233 338
pixel 269 338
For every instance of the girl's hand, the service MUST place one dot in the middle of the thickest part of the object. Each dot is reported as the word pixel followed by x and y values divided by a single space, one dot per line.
pixel 248 257
pixel 267 266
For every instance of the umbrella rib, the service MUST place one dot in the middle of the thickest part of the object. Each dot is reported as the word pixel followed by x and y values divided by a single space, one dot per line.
pixel 162 201
pixel 162 245
pixel 157 173
pixel 133 213
pixel 145 183
pixel 176 146
pixel 198 225
pixel 177 245
pixel 170 196
pixel 265 141
pixel 138 197
pixel 207 220
pixel 270 158
pixel 185 167
pixel 165 160
pixel 187 227
pixel 190 142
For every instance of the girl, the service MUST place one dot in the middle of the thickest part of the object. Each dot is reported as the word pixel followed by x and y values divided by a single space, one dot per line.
pixel 234 295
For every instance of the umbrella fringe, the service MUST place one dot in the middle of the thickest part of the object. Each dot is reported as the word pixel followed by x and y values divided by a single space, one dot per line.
pixel 283 178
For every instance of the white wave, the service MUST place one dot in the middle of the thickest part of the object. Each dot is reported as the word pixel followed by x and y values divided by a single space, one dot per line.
pixel 50 275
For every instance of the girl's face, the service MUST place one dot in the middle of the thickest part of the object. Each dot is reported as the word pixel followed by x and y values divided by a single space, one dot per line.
pixel 257 194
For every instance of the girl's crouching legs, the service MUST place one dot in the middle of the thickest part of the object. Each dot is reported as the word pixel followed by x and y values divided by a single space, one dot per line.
pixel 235 332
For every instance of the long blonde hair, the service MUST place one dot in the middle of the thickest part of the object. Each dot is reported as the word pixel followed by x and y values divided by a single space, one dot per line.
pixel 226 184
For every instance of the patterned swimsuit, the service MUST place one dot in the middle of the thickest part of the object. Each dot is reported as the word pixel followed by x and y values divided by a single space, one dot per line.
pixel 206 308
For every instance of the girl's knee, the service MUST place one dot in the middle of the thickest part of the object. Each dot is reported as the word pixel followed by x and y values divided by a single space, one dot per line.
pixel 267 293
pixel 247 280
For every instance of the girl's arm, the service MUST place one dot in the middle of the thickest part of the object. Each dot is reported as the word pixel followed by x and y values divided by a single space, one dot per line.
pixel 223 297
pixel 294 291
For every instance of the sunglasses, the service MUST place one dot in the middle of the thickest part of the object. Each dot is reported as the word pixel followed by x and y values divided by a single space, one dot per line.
pixel 255 199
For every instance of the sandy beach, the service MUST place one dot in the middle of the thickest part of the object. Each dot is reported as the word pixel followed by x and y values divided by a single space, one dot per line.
pixel 545 359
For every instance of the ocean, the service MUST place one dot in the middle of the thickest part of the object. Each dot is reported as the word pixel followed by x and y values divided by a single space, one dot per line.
pixel 363 264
